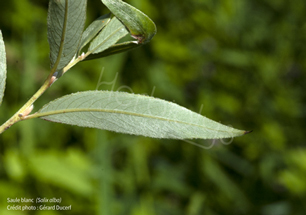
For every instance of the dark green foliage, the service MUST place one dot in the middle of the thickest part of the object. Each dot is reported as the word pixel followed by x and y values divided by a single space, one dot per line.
pixel 243 61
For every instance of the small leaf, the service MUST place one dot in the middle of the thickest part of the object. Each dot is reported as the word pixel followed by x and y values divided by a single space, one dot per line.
pixel 133 114
pixel 2 67
pixel 139 24
pixel 112 32
pixel 115 49
pixel 93 29
pixel 66 19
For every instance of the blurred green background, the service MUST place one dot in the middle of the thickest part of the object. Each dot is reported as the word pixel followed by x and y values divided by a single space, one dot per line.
pixel 241 63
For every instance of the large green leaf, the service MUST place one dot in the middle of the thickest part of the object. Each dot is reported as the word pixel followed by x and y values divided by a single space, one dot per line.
pixel 2 67
pixel 133 114
pixel 66 19
pixel 112 32
pixel 139 24
pixel 93 29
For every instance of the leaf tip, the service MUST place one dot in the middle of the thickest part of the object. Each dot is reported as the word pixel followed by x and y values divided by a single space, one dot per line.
pixel 247 132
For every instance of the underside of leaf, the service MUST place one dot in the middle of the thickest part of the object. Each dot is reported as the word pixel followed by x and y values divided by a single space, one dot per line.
pixel 134 114
pixel 109 36
pixel 66 19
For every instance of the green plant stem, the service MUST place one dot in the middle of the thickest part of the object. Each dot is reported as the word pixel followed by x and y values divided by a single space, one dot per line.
pixel 19 115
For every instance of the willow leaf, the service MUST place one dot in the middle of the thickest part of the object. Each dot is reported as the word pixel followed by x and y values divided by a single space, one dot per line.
pixel 133 114
pixel 112 32
pixel 139 24
pixel 2 67
pixel 93 29
pixel 66 19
